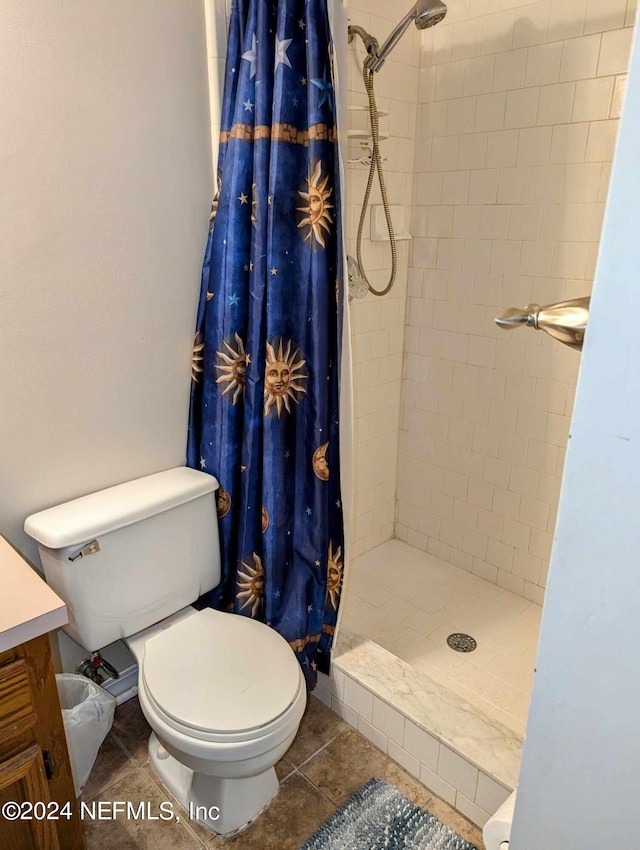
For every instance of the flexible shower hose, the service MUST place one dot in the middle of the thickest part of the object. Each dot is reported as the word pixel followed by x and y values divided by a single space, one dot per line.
pixel 376 165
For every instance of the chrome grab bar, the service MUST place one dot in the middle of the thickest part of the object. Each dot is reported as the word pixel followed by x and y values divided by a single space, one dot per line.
pixel 566 321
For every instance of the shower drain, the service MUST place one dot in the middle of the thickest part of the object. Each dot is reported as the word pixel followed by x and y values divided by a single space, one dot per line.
pixel 461 642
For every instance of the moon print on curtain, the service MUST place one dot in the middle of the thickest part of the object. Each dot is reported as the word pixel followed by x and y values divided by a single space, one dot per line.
pixel 265 381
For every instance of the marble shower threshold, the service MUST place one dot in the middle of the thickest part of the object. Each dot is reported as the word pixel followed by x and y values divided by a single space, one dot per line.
pixel 468 731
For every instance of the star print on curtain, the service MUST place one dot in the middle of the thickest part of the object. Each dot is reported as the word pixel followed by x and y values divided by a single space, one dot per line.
pixel 264 415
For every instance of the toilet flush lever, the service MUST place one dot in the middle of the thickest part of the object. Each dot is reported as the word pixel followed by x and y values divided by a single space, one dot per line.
pixel 89 549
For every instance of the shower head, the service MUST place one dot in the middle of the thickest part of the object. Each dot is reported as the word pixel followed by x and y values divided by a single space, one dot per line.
pixel 429 13
pixel 425 13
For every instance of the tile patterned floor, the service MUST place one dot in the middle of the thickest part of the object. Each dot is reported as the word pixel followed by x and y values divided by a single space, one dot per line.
pixel 326 763
pixel 409 602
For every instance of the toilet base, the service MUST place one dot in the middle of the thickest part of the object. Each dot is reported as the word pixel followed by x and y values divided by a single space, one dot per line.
pixel 223 806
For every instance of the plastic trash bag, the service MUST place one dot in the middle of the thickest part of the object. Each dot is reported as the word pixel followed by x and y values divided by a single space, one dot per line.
pixel 87 712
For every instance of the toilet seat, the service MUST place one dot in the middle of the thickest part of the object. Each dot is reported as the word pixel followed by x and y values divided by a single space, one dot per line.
pixel 221 677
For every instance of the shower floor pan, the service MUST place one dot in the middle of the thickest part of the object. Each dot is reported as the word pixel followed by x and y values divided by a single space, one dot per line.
pixel 454 720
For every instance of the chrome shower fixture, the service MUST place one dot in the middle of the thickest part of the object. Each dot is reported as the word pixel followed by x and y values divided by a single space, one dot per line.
pixel 565 321
pixel 425 13
pixel 371 44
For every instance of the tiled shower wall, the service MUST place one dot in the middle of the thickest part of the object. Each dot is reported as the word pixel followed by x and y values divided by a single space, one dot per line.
pixel 517 121
pixel 378 323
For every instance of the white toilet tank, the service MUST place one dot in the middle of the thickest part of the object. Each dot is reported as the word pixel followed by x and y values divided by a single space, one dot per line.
pixel 131 555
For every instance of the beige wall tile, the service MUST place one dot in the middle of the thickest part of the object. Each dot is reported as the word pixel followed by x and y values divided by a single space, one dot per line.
pixel 503 123
pixel 614 54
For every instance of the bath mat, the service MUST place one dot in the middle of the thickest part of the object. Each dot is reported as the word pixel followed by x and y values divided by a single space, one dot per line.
pixel 379 817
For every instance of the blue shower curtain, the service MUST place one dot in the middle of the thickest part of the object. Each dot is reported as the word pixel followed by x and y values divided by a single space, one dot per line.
pixel 264 413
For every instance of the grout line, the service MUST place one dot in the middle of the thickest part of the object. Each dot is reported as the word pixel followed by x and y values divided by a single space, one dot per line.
pixel 324 746
pixel 318 789
pixel 115 782
pixel 134 766
pixel 126 749
pixel 183 821
pixel 151 776
pixel 287 775
pixel 432 794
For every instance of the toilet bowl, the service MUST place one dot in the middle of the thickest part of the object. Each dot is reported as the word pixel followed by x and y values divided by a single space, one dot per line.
pixel 216 752
pixel 223 693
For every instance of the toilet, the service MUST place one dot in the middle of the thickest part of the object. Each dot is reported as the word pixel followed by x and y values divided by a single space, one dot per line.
pixel 223 693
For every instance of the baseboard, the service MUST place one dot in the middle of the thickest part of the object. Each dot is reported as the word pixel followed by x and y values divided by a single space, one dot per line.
pixel 125 687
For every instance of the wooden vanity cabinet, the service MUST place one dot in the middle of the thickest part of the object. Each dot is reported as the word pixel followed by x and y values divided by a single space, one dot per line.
pixel 34 762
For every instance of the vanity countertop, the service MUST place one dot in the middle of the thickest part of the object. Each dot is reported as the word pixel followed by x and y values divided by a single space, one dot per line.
pixel 28 606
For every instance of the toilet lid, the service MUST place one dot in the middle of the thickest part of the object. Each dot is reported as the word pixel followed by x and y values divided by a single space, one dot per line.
pixel 220 672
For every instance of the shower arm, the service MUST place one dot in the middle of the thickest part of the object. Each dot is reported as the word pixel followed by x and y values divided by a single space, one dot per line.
pixel 371 44
pixel 377 55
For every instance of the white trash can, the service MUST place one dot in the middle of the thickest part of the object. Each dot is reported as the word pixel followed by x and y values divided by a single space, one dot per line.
pixel 87 712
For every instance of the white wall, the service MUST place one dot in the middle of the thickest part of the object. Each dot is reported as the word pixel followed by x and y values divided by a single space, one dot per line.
pixel 105 167
pixel 217 14
pixel 579 779
pixel 519 106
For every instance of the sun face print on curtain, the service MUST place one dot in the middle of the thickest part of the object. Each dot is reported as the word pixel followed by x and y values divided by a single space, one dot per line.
pixel 266 359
